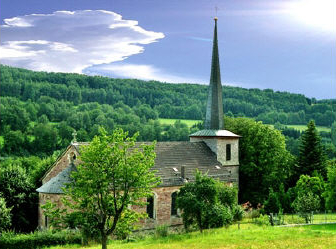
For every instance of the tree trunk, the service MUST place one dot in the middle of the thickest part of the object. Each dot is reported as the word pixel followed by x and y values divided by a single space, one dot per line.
pixel 104 240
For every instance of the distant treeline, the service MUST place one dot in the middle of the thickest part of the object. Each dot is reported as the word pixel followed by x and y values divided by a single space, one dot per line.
pixel 39 111
pixel 180 101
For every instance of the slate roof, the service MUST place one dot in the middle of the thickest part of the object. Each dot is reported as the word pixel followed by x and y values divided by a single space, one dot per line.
pixel 192 156
pixel 169 155
pixel 55 184
pixel 214 133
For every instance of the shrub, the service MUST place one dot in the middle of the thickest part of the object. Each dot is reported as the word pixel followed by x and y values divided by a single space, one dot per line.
pixel 262 220
pixel 161 231
pixel 38 239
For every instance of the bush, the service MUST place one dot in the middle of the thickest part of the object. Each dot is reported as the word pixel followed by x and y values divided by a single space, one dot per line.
pixel 38 239
pixel 262 220
pixel 161 231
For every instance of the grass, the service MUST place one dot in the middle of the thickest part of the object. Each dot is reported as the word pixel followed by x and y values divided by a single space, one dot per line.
pixel 169 121
pixel 304 127
pixel 249 236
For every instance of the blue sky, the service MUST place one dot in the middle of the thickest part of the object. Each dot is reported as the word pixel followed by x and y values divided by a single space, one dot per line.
pixel 285 45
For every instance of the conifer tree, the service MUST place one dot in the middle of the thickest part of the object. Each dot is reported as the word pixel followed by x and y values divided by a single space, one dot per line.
pixel 312 157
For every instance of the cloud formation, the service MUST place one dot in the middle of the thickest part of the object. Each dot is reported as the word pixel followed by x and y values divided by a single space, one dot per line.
pixel 70 41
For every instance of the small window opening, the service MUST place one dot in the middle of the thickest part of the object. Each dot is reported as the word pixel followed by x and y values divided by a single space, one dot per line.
pixel 150 207
pixel 173 204
pixel 228 152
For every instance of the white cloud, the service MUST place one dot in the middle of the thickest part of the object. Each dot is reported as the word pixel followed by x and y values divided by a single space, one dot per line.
pixel 145 72
pixel 70 41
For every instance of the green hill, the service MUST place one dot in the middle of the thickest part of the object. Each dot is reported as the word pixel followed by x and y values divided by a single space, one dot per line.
pixel 39 110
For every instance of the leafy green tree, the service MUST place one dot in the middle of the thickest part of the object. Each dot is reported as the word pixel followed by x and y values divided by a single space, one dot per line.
pixel 113 174
pixel 330 187
pixel 200 202
pixel 305 204
pixel 5 215
pixel 19 193
pixel 312 157
pixel 264 160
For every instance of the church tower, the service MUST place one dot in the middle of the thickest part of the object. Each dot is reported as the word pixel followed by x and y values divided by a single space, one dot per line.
pixel 214 112
pixel 222 142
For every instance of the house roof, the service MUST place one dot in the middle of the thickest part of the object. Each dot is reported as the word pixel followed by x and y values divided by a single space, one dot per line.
pixel 55 184
pixel 172 158
pixel 214 133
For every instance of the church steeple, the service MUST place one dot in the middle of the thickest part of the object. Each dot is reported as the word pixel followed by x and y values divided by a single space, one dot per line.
pixel 214 111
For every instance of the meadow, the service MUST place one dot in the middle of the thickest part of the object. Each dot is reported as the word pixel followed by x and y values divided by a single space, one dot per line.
pixel 304 127
pixel 171 121
pixel 248 236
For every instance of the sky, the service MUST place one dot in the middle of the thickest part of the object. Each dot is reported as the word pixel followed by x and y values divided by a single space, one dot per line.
pixel 285 45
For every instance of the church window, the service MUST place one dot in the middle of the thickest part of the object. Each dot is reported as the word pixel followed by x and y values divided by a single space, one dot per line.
pixel 150 207
pixel 173 204
pixel 228 152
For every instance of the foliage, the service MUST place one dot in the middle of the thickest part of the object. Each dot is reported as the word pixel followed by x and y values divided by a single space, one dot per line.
pixel 312 157
pixel 262 220
pixel 305 204
pixel 201 203
pixel 161 231
pixel 5 215
pixel 113 175
pixel 72 101
pixel 330 187
pixel 38 239
pixel 264 160
pixel 19 193
pixel 272 204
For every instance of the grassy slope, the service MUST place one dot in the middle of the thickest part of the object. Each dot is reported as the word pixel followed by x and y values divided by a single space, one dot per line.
pixel 170 121
pixel 304 127
pixel 192 122
pixel 249 236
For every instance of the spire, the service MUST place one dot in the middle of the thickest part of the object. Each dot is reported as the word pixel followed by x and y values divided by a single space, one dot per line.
pixel 214 111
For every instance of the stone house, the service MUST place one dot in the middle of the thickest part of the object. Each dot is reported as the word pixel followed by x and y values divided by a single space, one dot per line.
pixel 213 151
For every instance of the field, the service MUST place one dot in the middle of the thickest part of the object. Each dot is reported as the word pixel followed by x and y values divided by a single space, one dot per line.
pixel 249 236
pixel 304 127
pixel 188 122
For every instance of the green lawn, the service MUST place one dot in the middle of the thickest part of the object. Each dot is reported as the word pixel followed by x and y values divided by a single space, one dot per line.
pixel 249 236
pixel 170 121
pixel 304 127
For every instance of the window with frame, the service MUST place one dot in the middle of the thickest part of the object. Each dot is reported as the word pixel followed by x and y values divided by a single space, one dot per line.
pixel 173 204
pixel 150 207
pixel 228 152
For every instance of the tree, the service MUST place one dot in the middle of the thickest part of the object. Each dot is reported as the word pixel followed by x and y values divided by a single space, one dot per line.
pixel 206 202
pixel 311 154
pixel 305 204
pixel 5 215
pixel 264 160
pixel 19 194
pixel 114 174
pixel 330 187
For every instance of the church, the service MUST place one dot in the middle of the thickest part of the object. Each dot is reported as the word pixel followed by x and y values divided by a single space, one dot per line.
pixel 212 150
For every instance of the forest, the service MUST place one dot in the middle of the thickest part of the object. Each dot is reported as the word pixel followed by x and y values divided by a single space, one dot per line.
pixel 40 112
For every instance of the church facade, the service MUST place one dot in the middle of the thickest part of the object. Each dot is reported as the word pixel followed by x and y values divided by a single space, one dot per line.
pixel 212 150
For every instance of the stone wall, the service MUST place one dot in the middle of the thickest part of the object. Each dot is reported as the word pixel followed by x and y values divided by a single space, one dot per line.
pixel 218 146
pixel 162 208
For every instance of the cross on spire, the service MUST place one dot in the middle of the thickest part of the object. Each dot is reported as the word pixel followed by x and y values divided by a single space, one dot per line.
pixel 74 135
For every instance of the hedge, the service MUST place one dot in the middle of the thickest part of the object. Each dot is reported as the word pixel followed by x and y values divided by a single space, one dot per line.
pixel 38 239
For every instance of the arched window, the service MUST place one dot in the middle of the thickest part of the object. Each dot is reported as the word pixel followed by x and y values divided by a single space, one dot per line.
pixel 150 207
pixel 173 204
